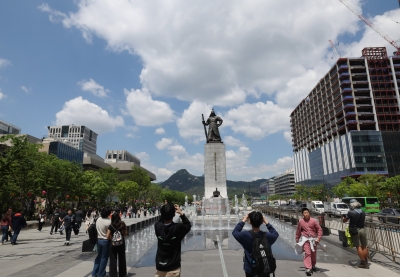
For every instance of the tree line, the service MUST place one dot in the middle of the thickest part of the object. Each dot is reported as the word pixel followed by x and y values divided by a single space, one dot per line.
pixel 366 185
pixel 28 176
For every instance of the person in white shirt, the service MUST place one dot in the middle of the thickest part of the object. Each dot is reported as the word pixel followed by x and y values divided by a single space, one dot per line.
pixel 103 244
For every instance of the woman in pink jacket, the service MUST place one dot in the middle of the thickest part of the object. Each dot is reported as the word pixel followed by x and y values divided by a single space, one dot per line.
pixel 308 235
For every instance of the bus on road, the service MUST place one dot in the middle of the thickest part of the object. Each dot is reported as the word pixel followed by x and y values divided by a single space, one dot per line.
pixel 368 204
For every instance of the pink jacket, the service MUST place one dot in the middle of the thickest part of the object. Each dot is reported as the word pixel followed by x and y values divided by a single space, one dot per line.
pixel 309 229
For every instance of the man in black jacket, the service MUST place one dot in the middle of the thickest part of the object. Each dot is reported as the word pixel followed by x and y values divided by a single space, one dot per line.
pixel 18 222
pixel 78 220
pixel 169 235
pixel 55 221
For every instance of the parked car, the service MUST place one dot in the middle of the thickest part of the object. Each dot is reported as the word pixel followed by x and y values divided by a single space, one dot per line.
pixel 389 215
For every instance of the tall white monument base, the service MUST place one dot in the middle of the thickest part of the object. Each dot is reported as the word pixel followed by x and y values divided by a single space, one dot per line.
pixel 215 169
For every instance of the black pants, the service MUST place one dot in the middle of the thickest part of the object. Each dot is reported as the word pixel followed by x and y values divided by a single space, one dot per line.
pixel 54 226
pixel 77 226
pixel 118 251
pixel 251 275
pixel 68 233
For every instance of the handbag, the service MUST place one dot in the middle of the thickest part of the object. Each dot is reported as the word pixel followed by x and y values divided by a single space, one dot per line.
pixel 42 220
pixel 9 228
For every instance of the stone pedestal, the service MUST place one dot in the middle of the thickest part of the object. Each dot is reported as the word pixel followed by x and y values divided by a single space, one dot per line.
pixel 215 169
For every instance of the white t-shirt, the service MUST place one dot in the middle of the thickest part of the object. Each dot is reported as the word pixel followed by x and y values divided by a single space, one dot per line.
pixel 102 227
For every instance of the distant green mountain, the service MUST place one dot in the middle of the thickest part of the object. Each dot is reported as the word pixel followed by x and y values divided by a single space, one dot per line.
pixel 190 184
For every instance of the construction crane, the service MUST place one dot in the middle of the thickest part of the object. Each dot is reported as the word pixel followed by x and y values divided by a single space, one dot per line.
pixel 334 49
pixel 373 27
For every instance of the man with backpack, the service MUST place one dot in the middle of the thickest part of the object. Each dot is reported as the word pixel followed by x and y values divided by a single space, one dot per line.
pixel 78 220
pixel 55 221
pixel 308 236
pixel 169 235
pixel 258 259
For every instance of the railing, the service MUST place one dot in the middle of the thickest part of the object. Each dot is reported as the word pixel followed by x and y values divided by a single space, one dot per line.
pixel 382 237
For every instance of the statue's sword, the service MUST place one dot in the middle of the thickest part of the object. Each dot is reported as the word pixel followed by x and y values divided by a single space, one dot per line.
pixel 205 131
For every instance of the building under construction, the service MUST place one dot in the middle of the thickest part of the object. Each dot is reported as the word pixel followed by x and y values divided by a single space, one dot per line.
pixel 349 124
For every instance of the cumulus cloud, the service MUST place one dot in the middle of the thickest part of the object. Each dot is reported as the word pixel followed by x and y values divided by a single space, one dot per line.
pixel 130 135
pixel 145 111
pixel 159 131
pixel 79 111
pixel 160 172
pixel 231 141
pixel 189 124
pixel 258 120
pixel 4 62
pixel 93 87
pixel 164 143
pixel 288 136
pixel 216 52
pixel 1 95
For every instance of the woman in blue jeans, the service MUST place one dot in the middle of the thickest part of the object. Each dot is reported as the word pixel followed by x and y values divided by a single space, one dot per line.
pixel 103 244
pixel 5 224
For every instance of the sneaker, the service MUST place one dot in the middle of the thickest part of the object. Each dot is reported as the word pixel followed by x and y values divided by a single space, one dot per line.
pixel 309 272
pixel 51 233
pixel 67 243
pixel 363 264
pixel 314 269
pixel 61 233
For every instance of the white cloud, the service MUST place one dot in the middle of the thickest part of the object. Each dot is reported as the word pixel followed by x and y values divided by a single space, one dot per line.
pixel 130 135
pixel 93 87
pixel 189 124
pixel 145 111
pixel 79 111
pixel 218 52
pixel 1 95
pixel 4 62
pixel 231 141
pixel 159 131
pixel 288 136
pixel 258 120
pixel 24 88
pixel 235 160
pixel 164 143
pixel 161 173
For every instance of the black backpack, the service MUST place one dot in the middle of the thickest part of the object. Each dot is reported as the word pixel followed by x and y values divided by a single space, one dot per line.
pixel 92 231
pixel 263 262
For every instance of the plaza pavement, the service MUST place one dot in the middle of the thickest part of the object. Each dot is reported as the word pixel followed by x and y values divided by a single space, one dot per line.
pixel 42 254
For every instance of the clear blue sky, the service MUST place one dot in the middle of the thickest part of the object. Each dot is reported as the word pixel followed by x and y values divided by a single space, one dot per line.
pixel 141 73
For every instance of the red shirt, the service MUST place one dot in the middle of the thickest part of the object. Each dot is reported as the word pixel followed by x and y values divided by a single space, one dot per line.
pixel 6 223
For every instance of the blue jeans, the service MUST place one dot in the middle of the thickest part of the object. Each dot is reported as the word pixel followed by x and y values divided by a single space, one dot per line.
pixel 4 229
pixel 15 235
pixel 100 263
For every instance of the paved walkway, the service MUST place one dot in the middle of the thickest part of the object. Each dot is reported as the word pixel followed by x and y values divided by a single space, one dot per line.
pixel 42 254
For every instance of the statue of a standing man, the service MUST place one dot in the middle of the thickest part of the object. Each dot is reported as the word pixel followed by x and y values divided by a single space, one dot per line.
pixel 213 123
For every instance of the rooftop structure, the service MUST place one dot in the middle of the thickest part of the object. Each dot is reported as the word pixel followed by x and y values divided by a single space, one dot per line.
pixel 346 123
pixel 7 128
pixel 81 137
pixel 120 156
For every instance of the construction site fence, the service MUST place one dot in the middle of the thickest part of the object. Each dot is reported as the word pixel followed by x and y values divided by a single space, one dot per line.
pixel 383 238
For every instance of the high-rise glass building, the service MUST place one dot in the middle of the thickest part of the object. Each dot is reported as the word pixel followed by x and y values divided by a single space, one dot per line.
pixel 349 124
pixel 7 128
pixel 81 137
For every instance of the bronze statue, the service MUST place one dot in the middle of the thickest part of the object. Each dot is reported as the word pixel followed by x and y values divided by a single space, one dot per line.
pixel 213 122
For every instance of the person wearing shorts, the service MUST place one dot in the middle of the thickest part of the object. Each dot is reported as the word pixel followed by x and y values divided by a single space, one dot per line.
pixel 357 218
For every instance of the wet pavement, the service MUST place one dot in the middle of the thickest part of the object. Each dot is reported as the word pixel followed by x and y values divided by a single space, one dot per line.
pixel 40 254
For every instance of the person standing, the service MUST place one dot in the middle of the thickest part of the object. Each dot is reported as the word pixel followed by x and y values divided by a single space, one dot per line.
pixel 138 212
pixel 63 213
pixel 308 236
pixel 103 244
pixel 10 234
pixel 68 224
pixel 41 219
pixel 117 252
pixel 18 222
pixel 246 238
pixel 134 211
pixel 169 235
pixel 358 232
pixel 54 221
pixel 5 226
pixel 78 217
pixel 88 220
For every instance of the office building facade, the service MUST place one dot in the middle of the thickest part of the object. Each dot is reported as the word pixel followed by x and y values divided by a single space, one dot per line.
pixel 62 149
pixel 117 156
pixel 7 129
pixel 349 124
pixel 267 188
pixel 285 183
pixel 81 137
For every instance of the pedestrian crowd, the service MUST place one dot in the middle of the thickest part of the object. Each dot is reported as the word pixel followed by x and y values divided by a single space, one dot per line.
pixel 107 232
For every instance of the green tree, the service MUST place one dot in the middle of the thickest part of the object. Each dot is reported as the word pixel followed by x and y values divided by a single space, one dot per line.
pixel 127 191
pixel 142 179
pixel 342 189
pixel 373 183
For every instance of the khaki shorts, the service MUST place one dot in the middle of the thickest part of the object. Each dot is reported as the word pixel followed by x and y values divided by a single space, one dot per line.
pixel 172 273
pixel 360 239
